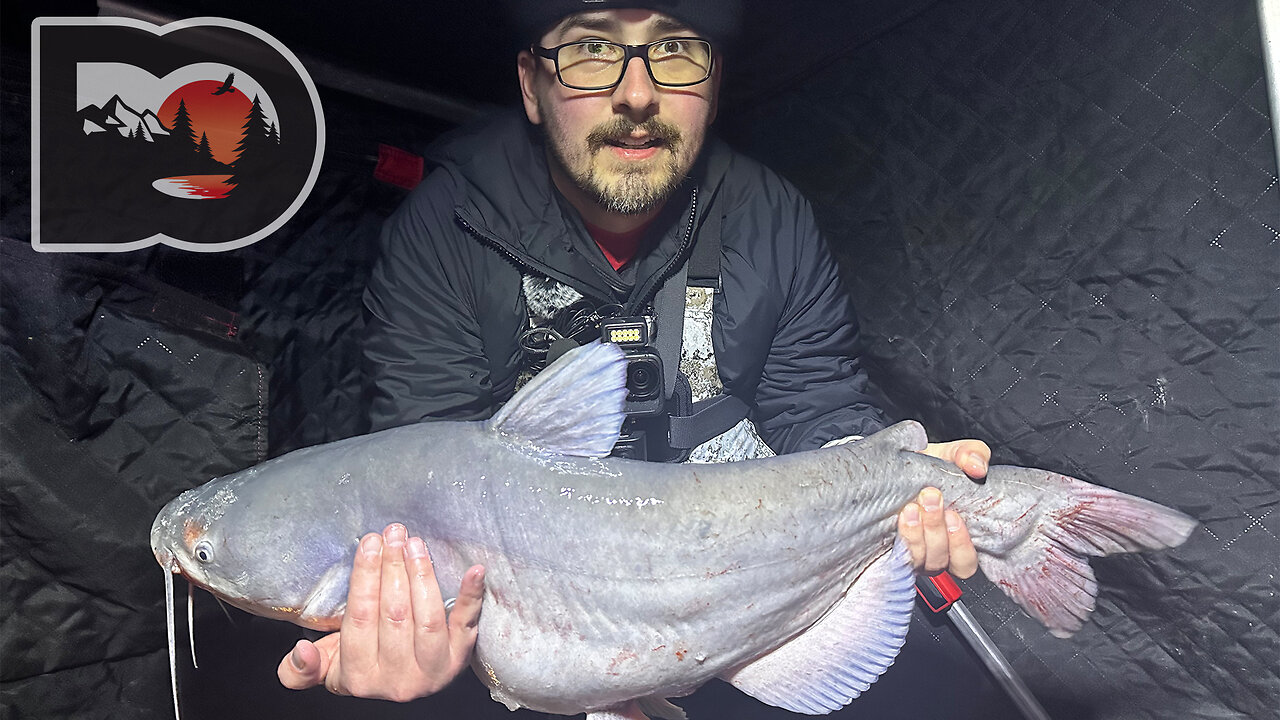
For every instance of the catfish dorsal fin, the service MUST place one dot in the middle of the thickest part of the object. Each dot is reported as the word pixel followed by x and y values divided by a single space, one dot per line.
pixel 573 407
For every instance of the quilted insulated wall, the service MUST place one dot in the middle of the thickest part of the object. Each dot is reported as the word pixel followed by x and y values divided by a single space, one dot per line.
pixel 1059 222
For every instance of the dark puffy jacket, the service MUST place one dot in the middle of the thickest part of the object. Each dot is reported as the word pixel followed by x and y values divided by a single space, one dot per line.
pixel 446 307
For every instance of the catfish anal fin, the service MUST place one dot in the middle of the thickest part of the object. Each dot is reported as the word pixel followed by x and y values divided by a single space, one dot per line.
pixel 827 666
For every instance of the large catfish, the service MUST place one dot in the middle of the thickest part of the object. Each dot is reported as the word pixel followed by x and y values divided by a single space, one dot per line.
pixel 612 585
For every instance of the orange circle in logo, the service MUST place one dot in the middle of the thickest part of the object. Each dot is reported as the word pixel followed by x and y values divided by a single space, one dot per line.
pixel 221 117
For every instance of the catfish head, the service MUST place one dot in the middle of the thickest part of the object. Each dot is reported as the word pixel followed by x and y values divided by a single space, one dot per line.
pixel 238 542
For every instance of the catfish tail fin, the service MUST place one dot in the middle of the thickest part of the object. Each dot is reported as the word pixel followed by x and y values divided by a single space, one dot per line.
pixel 1040 558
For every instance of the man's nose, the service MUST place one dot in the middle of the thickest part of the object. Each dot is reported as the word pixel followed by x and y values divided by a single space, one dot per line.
pixel 636 96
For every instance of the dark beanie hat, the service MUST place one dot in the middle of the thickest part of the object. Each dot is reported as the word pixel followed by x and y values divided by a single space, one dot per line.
pixel 718 19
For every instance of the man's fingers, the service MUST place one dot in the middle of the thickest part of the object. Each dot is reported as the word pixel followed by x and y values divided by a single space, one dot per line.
pixel 936 542
pixel 302 667
pixel 428 606
pixel 395 642
pixel 963 556
pixel 466 609
pixel 923 525
pixel 971 456
pixel 360 622
pixel 397 627
pixel 912 533
pixel 464 619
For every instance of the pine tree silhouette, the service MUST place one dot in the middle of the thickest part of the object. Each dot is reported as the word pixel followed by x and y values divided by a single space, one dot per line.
pixel 182 127
pixel 203 149
pixel 255 132
pixel 256 151
pixel 273 134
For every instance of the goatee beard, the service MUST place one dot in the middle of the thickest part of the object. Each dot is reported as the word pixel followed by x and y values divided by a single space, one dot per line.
pixel 636 192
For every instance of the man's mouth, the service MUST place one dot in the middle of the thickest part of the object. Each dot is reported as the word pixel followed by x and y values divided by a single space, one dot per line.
pixel 633 148
pixel 632 143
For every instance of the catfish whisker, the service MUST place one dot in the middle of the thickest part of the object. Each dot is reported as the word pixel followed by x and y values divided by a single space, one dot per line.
pixel 191 622
pixel 173 645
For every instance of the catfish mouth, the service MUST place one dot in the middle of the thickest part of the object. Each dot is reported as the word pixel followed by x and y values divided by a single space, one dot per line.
pixel 168 560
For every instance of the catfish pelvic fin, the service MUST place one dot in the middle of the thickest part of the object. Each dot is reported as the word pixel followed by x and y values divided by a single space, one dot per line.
pixel 573 407
pixel 657 707
pixel 629 710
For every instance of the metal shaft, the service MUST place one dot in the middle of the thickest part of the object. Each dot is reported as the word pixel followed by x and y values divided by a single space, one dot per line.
pixel 996 662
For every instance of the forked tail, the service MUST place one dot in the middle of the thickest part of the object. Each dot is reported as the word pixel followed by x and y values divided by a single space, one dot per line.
pixel 1035 530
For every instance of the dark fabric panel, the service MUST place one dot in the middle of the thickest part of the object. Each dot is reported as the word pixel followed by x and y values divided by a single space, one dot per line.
pixel 301 305
pixel 302 310
pixel 117 394
pixel 1059 223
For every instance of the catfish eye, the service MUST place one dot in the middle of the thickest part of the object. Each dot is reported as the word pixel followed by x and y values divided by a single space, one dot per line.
pixel 204 551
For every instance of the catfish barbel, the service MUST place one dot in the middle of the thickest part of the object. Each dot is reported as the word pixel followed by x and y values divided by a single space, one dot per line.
pixel 612 584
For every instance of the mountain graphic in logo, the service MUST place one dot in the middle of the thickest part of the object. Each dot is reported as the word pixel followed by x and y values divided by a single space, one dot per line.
pixel 116 115
pixel 204 135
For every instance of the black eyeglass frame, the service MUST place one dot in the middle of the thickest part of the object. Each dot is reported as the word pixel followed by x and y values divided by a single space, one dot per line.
pixel 629 51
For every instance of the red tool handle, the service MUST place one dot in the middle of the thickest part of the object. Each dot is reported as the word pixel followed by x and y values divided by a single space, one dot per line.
pixel 939 591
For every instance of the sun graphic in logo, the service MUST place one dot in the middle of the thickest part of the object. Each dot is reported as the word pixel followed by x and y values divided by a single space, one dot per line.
pixel 227 131
pixel 218 116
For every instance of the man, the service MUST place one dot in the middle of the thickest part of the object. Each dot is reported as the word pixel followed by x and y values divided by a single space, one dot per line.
pixel 597 196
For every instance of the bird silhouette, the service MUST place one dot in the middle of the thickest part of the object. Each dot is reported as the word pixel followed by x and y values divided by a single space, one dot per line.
pixel 226 85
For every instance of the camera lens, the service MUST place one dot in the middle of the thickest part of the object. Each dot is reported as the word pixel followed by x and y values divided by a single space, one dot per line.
pixel 644 379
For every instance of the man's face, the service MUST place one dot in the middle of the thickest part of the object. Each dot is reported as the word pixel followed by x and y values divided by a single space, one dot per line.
pixel 627 147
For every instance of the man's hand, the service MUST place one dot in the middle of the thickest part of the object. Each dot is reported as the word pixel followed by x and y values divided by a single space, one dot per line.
pixel 938 538
pixel 395 642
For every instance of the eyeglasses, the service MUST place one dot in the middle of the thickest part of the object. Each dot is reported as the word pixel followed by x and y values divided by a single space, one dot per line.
pixel 600 65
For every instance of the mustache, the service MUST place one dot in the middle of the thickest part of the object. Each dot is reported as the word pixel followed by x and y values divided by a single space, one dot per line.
pixel 622 128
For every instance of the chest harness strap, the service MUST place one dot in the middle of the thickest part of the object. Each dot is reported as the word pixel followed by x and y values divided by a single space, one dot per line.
pixel 710 417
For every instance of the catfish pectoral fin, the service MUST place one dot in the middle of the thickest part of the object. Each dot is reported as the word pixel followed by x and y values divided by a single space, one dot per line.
pixel 327 602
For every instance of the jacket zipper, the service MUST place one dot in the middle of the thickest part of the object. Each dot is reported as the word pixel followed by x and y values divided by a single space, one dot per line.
pixel 638 302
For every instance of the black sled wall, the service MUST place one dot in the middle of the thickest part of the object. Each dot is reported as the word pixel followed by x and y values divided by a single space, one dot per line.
pixel 1060 225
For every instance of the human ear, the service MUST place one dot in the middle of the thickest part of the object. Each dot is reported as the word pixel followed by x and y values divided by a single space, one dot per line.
pixel 527 68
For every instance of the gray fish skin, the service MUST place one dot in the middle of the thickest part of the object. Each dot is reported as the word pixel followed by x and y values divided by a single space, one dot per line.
pixel 611 580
